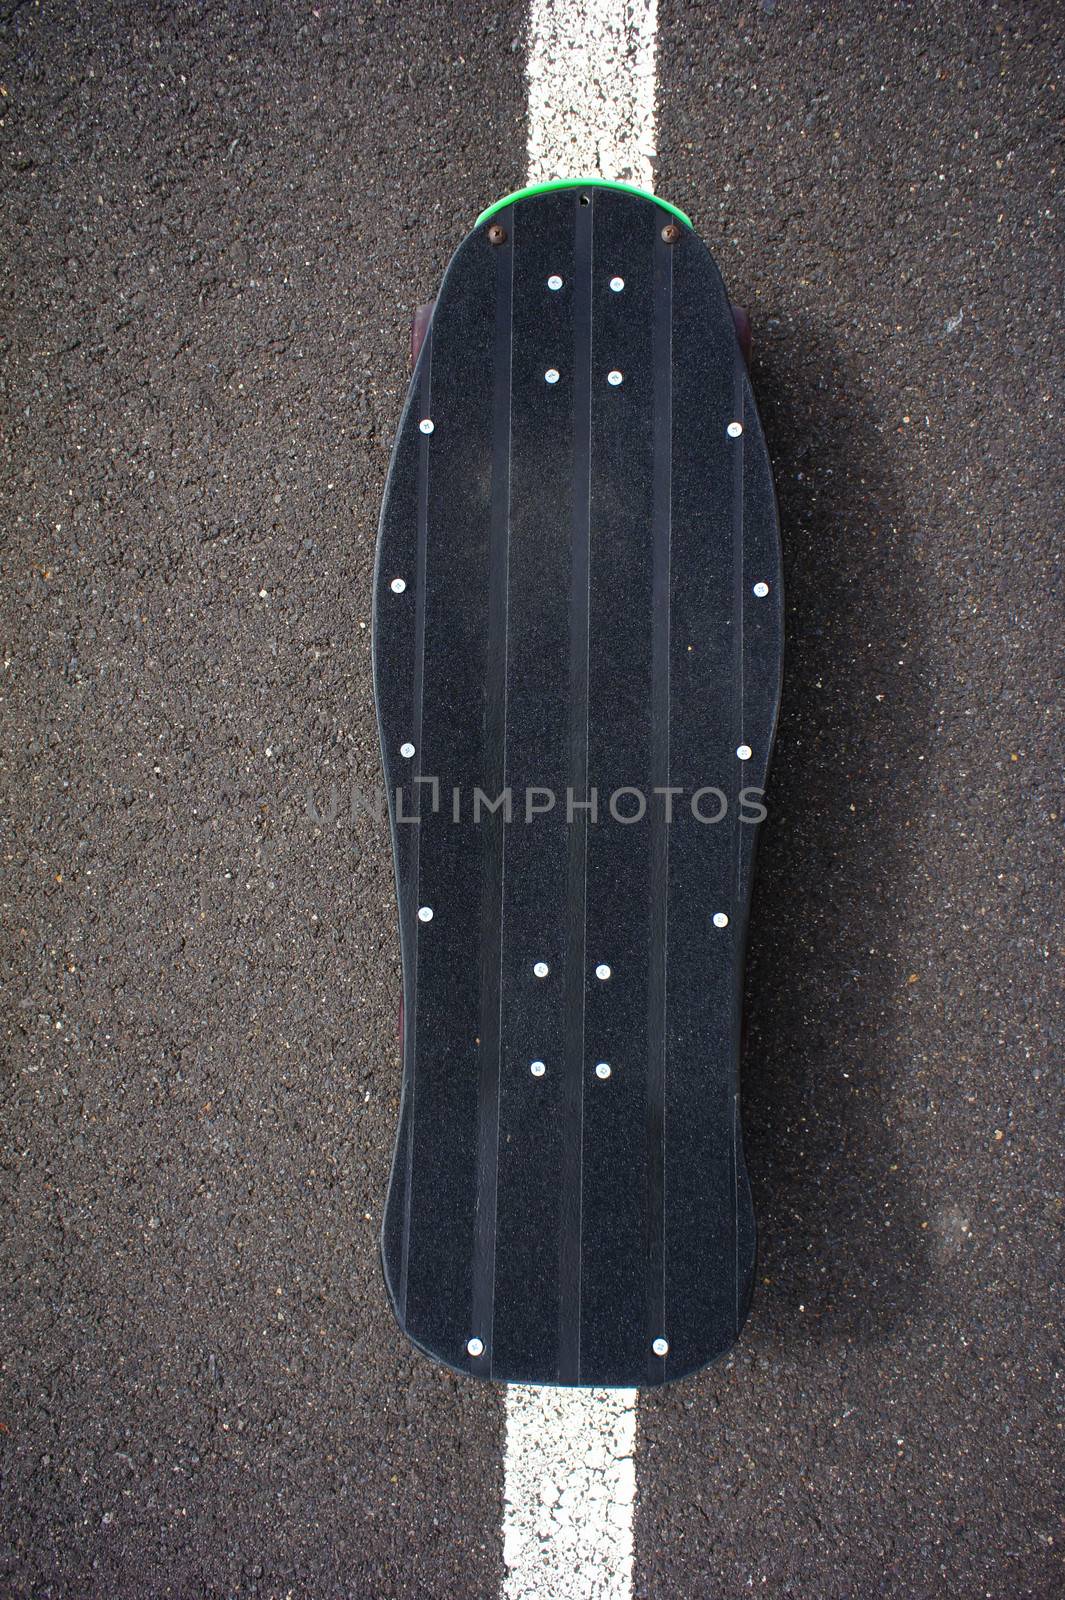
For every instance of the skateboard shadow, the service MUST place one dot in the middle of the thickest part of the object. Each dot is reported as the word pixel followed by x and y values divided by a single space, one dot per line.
pixel 826 1082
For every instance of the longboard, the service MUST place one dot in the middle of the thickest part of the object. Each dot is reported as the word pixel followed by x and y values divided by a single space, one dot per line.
pixel 577 655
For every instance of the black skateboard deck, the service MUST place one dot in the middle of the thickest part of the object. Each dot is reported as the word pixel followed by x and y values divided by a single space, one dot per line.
pixel 577 604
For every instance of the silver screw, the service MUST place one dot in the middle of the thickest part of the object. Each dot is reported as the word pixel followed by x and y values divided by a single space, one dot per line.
pixel 425 425
pixel 761 590
pixel 734 430
pixel 602 970
pixel 551 375
pixel 554 281
pixel 660 1347
pixel 720 919
pixel 617 284
pixel 537 1068
pixel 603 1069
pixel 541 969
pixel 398 585
pixel 614 377
pixel 475 1347
pixel 425 913
pixel 744 752
pixel 406 750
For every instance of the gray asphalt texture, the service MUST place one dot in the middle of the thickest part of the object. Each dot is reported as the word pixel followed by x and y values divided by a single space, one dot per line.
pixel 218 220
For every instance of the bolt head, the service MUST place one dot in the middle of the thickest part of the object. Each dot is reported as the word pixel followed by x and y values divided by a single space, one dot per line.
pixel 541 969
pixel 425 913
pixel 671 233
pixel 761 590
pixel 537 1068
pixel 720 919
pixel 734 430
pixel 744 752
pixel 554 281
pixel 496 234
pixel 602 970
pixel 660 1347
pixel 475 1347
pixel 398 585
pixel 602 1069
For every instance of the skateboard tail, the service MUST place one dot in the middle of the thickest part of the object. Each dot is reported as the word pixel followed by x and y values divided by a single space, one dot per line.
pixel 554 185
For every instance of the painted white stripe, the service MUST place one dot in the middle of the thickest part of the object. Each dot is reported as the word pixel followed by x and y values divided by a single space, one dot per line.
pixel 570 1472
pixel 570 1483
pixel 591 70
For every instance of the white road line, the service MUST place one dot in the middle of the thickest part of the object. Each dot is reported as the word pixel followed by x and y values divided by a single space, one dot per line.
pixel 591 70
pixel 570 1483
pixel 570 1472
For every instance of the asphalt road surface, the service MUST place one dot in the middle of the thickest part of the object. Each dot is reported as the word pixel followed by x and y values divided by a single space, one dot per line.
pixel 217 220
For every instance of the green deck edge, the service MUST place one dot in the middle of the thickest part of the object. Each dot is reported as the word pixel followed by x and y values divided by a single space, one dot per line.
pixel 580 183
